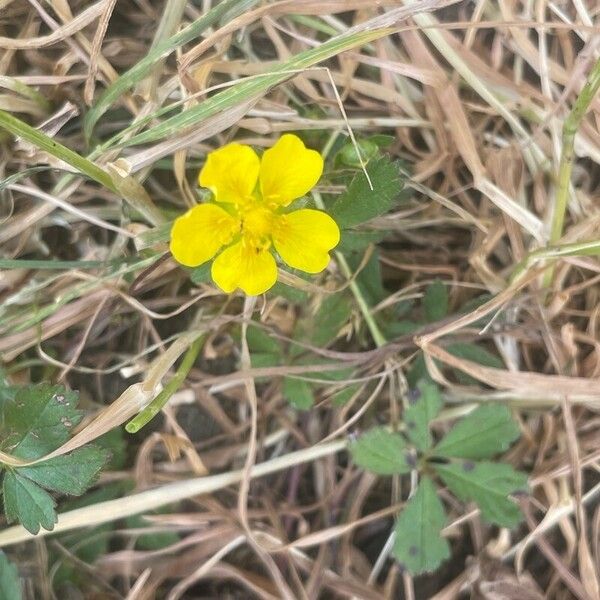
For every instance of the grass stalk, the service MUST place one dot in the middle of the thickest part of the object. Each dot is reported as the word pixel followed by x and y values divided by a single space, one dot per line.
pixel 148 413
pixel 570 128
pixel 144 66
pixel 43 142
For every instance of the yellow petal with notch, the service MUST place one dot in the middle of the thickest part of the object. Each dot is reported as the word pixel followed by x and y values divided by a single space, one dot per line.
pixel 289 170
pixel 231 173
pixel 244 266
pixel 200 233
pixel 303 239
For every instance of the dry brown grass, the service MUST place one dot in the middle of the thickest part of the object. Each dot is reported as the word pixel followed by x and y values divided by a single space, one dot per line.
pixel 475 94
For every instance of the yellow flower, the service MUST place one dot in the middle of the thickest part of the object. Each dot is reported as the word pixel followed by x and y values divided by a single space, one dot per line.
pixel 248 219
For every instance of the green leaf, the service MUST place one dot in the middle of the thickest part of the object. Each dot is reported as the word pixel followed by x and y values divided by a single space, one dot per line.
pixel 399 328
pixel 349 156
pixel 475 353
pixel 369 279
pixel 343 396
pixel 28 503
pixel 360 203
pixel 90 543
pixel 489 485
pixel 71 473
pixel 381 452
pixel 7 391
pixel 151 541
pixel 39 419
pixel 357 241
pixel 467 351
pixel 114 443
pixel 425 404
pixel 289 293
pixel 419 546
pixel 10 584
pixel 435 301
pixel 298 393
pixel 261 360
pixel 260 341
pixel 201 274
pixel 488 430
pixel 323 327
pixel 418 371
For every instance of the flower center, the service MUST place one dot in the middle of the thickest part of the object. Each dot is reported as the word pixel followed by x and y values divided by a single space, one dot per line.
pixel 257 224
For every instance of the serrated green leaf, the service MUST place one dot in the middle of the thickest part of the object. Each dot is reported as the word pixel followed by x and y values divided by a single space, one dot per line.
pixel 69 474
pixel 10 584
pixel 488 430
pixel 298 393
pixel 381 452
pixel 28 503
pixel 39 419
pixel 435 301
pixel 488 485
pixel 360 203
pixel 425 404
pixel 419 546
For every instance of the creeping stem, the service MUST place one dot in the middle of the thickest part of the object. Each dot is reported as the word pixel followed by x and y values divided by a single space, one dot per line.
pixel 148 413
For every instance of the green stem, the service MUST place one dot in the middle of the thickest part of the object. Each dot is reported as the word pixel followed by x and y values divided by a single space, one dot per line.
pixel 553 253
pixel 148 413
pixel 40 140
pixel 365 309
pixel 570 128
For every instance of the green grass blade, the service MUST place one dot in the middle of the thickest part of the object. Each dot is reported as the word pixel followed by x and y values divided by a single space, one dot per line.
pixel 44 142
pixel 253 86
pixel 10 83
pixel 231 8
pixel 58 265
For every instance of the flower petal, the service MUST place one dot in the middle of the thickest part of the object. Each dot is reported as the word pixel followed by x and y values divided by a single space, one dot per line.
pixel 230 173
pixel 245 266
pixel 289 170
pixel 303 239
pixel 199 234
